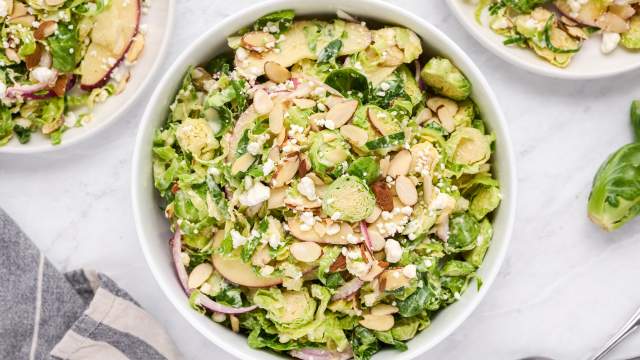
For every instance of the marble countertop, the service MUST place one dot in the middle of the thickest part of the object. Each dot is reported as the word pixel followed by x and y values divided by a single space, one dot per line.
pixel 564 289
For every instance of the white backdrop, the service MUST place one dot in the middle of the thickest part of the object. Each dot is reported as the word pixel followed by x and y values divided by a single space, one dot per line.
pixel 564 289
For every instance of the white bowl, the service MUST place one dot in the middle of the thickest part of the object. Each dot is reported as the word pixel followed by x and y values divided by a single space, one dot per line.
pixel 153 228
pixel 588 63
pixel 159 24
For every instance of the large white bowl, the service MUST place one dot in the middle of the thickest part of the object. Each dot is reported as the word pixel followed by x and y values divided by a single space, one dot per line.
pixel 588 63
pixel 158 21
pixel 153 229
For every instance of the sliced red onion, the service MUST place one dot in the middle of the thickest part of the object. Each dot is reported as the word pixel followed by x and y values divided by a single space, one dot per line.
pixel 365 233
pixel 321 354
pixel 25 90
pixel 176 252
pixel 217 307
pixel 33 96
pixel 347 289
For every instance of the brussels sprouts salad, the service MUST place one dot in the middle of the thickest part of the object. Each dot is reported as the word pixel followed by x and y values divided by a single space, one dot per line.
pixel 556 30
pixel 328 194
pixel 59 58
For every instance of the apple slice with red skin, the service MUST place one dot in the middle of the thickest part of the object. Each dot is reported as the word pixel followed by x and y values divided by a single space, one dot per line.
pixel 111 38
pixel 238 272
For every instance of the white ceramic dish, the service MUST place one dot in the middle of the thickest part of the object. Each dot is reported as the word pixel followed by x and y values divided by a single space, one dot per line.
pixel 158 21
pixel 153 229
pixel 588 63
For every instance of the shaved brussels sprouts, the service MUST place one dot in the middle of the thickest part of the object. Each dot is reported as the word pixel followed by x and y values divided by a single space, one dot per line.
pixel 328 150
pixel 349 199
pixel 366 168
pixel 463 233
pixel 446 79
pixel 469 147
pixel 635 118
pixel 615 197
pixel 484 201
pixel 476 255
pixel 631 38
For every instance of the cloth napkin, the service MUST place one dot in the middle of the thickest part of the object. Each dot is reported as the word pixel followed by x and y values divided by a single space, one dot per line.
pixel 45 314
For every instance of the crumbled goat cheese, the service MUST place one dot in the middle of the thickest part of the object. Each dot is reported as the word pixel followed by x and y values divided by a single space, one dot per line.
pixel 307 188
pixel 409 271
pixel 393 251
pixel 257 194
pixel 43 75
pixel 237 238
pixel 268 167
pixel 610 42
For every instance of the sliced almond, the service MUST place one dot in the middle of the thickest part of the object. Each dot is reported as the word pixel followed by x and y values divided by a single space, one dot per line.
pixel 400 164
pixel 342 112
pixel 304 166
pixel 306 251
pixel 446 119
pixel 436 103
pixel 374 215
pixel 276 198
pixel 33 60
pixel 60 87
pixel 274 154
pixel 567 21
pixel 378 120
pixel 392 56
pixel 378 322
pixel 355 135
pixel 19 9
pixel 384 166
pixel 376 269
pixel 286 170
pixel 377 240
pixel 262 103
pixel 384 309
pixel 424 115
pixel 320 229
pixel 25 20
pixel 406 191
pixel 242 164
pixel 313 120
pixel 393 279
pixel 135 49
pixel 316 180
pixel 12 55
pixel 9 6
pixel 276 118
pixel 276 72
pixel 624 11
pixel 612 23
pixel 199 275
pixel 384 196
pixel 333 100
pixel 304 103
pixel 258 41
pixel 46 29
pixel 261 257
pixel 280 139
pixel 577 32
pixel 235 323
pixel 427 188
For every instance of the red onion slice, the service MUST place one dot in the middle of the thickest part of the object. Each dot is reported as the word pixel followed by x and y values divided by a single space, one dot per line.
pixel 365 233
pixel 24 90
pixel 219 308
pixel 176 252
pixel 347 289
pixel 321 354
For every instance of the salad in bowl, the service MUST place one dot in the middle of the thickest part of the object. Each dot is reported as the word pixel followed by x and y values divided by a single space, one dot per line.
pixel 328 193
pixel 556 30
pixel 60 58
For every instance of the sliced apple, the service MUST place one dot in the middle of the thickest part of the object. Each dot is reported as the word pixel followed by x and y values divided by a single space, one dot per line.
pixel 111 38
pixel 237 271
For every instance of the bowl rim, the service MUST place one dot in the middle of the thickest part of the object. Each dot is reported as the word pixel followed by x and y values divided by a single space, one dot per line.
pixel 113 117
pixel 507 55
pixel 498 125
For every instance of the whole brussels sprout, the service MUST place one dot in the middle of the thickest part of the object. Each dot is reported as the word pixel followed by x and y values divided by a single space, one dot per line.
pixel 631 38
pixel 463 233
pixel 349 199
pixel 635 118
pixel 328 149
pixel 446 79
pixel 615 196
pixel 484 201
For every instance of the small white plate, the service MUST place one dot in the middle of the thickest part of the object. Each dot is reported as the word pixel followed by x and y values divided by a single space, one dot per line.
pixel 588 63
pixel 158 21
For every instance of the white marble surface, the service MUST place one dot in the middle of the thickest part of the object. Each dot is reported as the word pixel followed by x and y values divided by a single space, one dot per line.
pixel 564 288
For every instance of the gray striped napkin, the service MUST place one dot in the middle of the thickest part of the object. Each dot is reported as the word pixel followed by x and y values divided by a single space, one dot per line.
pixel 78 315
